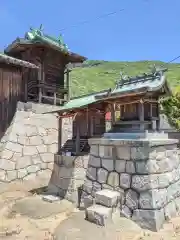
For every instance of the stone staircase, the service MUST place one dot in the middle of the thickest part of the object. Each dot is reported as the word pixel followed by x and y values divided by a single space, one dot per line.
pixel 105 206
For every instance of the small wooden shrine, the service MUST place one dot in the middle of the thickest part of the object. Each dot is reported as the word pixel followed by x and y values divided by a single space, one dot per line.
pixel 51 83
pixel 136 99
pixel 88 121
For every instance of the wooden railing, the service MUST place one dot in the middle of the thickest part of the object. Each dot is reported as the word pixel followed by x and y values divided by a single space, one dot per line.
pixel 51 93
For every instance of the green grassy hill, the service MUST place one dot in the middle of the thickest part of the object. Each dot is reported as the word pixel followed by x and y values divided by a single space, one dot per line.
pixel 99 75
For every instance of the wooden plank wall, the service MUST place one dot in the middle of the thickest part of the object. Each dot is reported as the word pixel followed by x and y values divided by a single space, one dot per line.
pixel 10 93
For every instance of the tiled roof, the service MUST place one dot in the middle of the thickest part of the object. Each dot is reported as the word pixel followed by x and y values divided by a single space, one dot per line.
pixel 14 61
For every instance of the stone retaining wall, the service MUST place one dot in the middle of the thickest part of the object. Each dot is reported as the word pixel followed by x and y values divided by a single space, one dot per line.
pixel 146 173
pixel 68 177
pixel 28 146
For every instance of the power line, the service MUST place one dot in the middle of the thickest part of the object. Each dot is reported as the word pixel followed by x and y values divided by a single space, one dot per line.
pixel 96 18
pixel 173 59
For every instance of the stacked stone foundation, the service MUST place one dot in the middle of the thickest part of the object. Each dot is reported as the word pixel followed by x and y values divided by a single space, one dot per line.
pixel 146 173
pixel 68 177
pixel 27 149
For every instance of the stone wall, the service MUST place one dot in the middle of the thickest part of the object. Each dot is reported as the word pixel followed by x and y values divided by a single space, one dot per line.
pixel 146 173
pixel 28 146
pixel 68 177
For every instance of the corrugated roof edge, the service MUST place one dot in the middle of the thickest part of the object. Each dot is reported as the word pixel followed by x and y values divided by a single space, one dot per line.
pixel 15 61
pixel 64 109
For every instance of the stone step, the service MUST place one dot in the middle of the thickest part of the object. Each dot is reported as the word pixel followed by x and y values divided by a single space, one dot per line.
pixel 107 198
pixel 99 214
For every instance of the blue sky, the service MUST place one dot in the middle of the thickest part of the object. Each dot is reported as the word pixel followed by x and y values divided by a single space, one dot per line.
pixel 145 30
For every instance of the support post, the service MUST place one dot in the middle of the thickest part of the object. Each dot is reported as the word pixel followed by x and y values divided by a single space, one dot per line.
pixel 141 115
pixel 68 84
pixel 158 120
pixel 77 138
pixel 112 114
pixel 60 134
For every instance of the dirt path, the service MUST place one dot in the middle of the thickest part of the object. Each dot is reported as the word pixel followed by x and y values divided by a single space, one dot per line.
pixel 24 215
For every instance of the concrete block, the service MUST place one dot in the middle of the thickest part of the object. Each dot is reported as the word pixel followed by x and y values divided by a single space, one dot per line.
pixel 107 198
pixel 99 215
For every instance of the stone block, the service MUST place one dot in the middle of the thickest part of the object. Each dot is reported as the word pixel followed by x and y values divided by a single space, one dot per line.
pixel 7 164
pixel 107 198
pixel 153 199
pixel 102 175
pixel 50 139
pixel 21 173
pixel 31 130
pixel 15 147
pixel 2 176
pixel 106 151
pixel 123 153
pixel 47 157
pixel 125 212
pixel 113 179
pixel 79 173
pixel 94 150
pixel 125 180
pixel 35 140
pixel 173 191
pixel 7 154
pixel 149 219
pixel 23 162
pixel 24 140
pixel 94 161
pixel 52 148
pixel 130 168
pixel 99 215
pixel 91 173
pixel 87 186
pixel 170 211
pixel 42 148
pixel 152 181
pixel 96 187
pixel 33 168
pixel 11 175
pixel 108 164
pixel 131 199
pixel 139 153
pixel 120 166
pixel 177 204
pixel 36 159
pixel 30 151
pixel 87 200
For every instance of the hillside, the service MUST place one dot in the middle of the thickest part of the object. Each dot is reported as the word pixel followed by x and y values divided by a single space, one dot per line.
pixel 98 75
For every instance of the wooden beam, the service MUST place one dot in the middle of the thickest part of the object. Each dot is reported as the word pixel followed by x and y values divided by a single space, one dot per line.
pixel 77 138
pixel 141 115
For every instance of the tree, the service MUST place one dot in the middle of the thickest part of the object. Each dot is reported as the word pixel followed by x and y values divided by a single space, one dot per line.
pixel 171 108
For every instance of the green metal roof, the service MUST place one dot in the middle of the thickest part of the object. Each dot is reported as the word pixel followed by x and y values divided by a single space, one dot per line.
pixel 37 36
pixel 81 102
pixel 14 61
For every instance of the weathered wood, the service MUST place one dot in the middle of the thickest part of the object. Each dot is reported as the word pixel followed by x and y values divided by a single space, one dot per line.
pixel 11 91
pixel 51 82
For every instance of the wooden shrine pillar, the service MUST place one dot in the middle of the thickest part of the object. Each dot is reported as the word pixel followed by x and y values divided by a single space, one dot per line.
pixel 60 134
pixel 141 115
pixel 39 83
pixel 68 84
pixel 77 138
pixel 158 120
pixel 112 114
